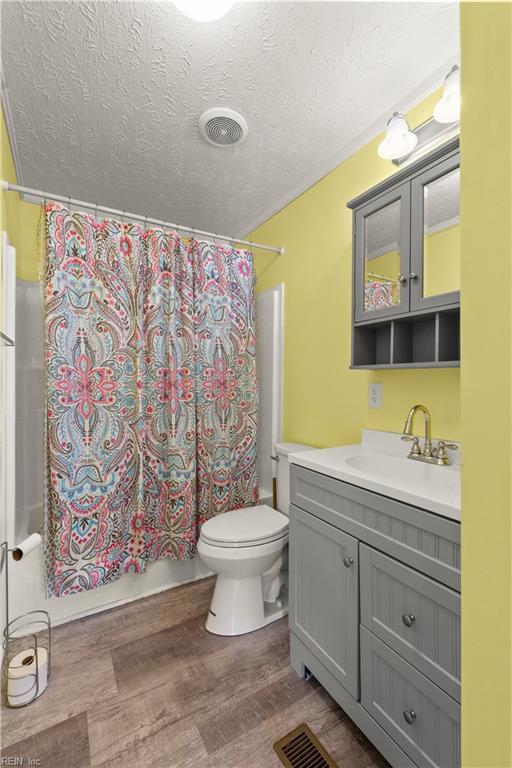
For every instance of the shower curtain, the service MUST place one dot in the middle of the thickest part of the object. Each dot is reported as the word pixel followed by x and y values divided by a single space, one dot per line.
pixel 150 391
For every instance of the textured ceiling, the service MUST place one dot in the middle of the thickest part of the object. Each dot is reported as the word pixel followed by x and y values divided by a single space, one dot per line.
pixel 105 97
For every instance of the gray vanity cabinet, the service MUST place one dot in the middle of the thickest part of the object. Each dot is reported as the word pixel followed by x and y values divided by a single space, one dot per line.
pixel 375 615
pixel 324 594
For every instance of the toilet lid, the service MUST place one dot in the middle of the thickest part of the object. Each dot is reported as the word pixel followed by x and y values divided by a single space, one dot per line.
pixel 249 526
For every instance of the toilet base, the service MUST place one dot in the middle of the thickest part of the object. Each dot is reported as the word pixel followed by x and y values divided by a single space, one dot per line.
pixel 238 607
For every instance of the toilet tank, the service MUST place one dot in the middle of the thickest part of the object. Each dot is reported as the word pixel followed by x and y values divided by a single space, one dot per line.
pixel 283 451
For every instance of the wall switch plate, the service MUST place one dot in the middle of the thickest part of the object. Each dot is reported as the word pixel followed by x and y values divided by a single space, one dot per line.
pixel 375 395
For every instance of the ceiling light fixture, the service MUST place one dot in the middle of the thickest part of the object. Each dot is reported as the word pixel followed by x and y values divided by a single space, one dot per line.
pixel 204 10
pixel 447 109
pixel 399 139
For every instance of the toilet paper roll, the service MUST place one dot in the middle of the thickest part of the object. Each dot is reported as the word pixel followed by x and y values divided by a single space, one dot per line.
pixel 22 685
pixel 25 547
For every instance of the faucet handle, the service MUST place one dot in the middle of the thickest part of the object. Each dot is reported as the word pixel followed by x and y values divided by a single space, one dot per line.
pixel 451 446
pixel 441 449
pixel 415 450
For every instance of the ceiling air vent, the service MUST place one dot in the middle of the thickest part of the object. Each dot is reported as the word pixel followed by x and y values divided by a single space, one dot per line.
pixel 223 127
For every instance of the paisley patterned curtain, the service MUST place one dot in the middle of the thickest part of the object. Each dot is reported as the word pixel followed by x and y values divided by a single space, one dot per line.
pixel 226 379
pixel 151 395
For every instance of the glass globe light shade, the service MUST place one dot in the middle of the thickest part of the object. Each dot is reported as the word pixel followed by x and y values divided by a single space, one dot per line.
pixel 447 109
pixel 399 139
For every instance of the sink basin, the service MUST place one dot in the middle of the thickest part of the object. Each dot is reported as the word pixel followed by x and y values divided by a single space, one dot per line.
pixel 382 466
pixel 401 471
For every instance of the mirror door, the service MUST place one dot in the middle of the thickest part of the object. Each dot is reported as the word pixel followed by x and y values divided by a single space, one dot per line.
pixel 382 256
pixel 435 236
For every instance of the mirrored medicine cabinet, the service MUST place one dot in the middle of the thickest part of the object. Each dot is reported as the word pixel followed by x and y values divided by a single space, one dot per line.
pixel 406 266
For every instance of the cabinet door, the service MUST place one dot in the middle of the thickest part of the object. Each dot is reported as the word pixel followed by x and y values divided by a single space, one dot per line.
pixel 422 719
pixel 435 236
pixel 413 614
pixel 324 594
pixel 382 256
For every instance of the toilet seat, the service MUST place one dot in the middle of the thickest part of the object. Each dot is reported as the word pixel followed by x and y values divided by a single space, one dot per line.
pixel 248 527
pixel 242 544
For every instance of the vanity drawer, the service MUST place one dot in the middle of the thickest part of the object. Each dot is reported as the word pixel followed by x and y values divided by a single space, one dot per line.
pixel 421 539
pixel 418 715
pixel 413 614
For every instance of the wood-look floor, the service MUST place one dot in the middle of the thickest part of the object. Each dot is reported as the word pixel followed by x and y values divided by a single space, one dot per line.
pixel 145 686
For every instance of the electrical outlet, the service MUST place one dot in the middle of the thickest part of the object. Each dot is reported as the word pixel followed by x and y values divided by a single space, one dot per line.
pixel 375 395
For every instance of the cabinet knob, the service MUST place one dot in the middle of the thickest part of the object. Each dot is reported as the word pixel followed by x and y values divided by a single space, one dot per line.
pixel 408 619
pixel 348 561
pixel 410 716
pixel 413 276
pixel 402 279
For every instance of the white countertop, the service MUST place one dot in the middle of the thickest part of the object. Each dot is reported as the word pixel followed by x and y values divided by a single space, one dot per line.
pixel 390 472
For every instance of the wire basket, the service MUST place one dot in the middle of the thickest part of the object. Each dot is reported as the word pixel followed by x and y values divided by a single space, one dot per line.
pixel 26 668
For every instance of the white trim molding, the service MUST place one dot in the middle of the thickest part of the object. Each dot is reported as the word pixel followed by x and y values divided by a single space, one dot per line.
pixel 9 127
pixel 410 100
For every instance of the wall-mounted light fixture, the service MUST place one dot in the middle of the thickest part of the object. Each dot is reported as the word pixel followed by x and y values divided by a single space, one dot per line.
pixel 402 145
pixel 447 109
pixel 399 139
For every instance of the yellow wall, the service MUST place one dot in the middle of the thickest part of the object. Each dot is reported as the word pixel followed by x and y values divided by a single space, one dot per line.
pixel 19 218
pixel 486 213
pixel 324 402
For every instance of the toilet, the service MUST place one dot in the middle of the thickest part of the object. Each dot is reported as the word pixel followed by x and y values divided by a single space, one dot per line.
pixel 246 548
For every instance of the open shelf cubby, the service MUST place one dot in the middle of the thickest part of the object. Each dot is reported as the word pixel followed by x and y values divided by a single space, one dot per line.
pixel 417 341
pixel 414 340
pixel 372 345
pixel 449 336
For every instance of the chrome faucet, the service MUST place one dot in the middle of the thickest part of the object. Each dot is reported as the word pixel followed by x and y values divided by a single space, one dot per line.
pixel 429 453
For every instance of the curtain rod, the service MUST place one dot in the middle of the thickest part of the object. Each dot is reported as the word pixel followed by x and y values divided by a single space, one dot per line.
pixel 37 193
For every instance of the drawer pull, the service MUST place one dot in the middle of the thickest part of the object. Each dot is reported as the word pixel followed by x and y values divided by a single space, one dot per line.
pixel 408 619
pixel 348 561
pixel 409 716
